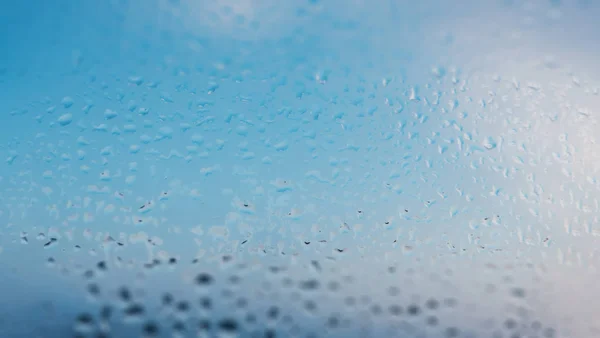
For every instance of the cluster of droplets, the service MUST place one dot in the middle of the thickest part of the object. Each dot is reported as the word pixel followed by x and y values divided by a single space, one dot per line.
pixel 277 300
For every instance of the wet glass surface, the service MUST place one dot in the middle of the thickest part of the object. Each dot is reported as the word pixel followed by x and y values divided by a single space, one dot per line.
pixel 250 168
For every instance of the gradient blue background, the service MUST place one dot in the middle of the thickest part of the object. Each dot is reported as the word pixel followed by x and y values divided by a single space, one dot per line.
pixel 478 117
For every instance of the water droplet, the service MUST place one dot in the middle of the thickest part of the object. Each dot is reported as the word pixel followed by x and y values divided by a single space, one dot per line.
pixel 65 119
pixel 204 279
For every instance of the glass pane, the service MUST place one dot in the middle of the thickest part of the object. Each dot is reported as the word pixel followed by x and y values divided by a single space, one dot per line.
pixel 246 168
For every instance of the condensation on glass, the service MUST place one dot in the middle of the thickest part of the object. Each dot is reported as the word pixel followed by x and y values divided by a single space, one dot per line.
pixel 299 169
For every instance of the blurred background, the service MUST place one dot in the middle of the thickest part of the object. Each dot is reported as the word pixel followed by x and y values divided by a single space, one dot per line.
pixel 308 168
